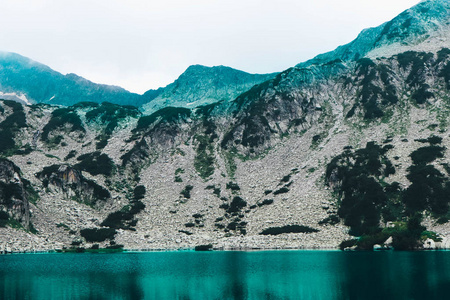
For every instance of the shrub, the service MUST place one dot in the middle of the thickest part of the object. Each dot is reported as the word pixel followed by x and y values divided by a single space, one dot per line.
pixel 167 114
pixel 11 126
pixel 426 155
pixel 265 202
pixel 233 186
pixel 282 190
pixel 236 204
pixel 186 192
pixel 60 118
pixel 4 217
pixel 203 247
pixel 95 163
pixel 124 219
pixel 204 159
pixel 288 229
pixel 71 154
pixel 347 244
pixel 98 234
pixel 139 192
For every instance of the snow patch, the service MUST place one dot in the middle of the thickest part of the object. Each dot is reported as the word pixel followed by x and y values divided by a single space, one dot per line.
pixel 15 97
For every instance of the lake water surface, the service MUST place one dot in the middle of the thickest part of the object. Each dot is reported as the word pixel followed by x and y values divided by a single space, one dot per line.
pixel 227 275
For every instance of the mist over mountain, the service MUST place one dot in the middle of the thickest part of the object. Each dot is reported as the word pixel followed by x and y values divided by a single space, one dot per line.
pixel 348 149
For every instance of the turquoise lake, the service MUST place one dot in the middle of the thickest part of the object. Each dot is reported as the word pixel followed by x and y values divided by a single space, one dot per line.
pixel 227 275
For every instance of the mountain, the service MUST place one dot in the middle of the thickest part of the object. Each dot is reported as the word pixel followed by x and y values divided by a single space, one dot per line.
pixel 349 152
pixel 27 81
pixel 200 85
pixel 423 27
pixel 38 83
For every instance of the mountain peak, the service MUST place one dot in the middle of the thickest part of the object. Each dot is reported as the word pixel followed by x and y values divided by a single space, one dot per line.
pixel 425 26
pixel 202 85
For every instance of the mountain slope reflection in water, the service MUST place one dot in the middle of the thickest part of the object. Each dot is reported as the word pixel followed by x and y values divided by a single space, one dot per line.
pixel 227 275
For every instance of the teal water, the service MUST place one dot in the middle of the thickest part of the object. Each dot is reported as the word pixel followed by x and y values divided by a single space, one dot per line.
pixel 227 275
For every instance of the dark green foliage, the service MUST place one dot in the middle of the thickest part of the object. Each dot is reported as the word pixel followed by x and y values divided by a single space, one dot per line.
pixel 429 189
pixel 286 178
pixel 233 186
pixel 137 151
pixel 139 192
pixel 371 96
pixel 347 244
pixel 103 141
pixel 62 117
pixel 185 232
pixel 85 104
pixel 124 219
pixel 415 60
pixel 445 73
pixel 98 234
pixel 426 155
pixel 365 199
pixel 4 217
pixel 100 192
pixel 167 114
pixel 316 139
pixel 10 191
pixel 71 154
pixel 11 126
pixel 203 247
pixel 110 115
pixel 433 140
pixel 186 192
pixel 236 204
pixel 288 229
pixel 442 55
pixel 421 95
pixel 189 225
pixel 361 194
pixel 406 236
pixel 265 202
pixel 282 190
pixel 179 171
pixel 204 159
pixel 95 163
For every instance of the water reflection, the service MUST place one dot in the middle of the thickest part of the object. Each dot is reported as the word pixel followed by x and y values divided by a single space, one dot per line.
pixel 227 275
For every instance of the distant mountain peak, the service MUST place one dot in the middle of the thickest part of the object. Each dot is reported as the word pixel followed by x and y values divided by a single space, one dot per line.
pixel 202 85
pixel 425 26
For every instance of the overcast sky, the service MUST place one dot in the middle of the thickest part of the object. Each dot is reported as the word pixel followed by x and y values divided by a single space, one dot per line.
pixel 143 44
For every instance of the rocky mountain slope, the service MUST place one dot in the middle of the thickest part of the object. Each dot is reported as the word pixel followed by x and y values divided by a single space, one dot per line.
pixel 351 151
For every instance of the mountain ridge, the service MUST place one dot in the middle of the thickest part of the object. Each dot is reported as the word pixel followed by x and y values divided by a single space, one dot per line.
pixel 404 32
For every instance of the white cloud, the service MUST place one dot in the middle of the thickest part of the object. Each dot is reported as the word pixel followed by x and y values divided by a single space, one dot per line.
pixel 145 44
